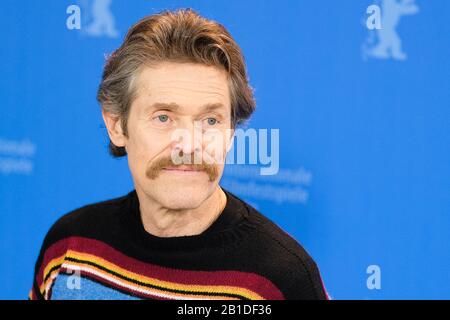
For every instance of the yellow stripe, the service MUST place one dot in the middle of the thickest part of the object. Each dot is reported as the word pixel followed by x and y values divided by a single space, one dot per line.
pixel 155 291
pixel 147 280
pixel 164 284
pixel 54 262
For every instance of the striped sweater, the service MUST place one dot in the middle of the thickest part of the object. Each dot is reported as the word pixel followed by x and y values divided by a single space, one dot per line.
pixel 102 251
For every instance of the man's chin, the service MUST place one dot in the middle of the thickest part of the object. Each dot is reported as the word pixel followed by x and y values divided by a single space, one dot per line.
pixel 184 194
pixel 182 201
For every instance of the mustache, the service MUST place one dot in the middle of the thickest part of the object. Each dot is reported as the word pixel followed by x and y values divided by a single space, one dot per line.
pixel 192 161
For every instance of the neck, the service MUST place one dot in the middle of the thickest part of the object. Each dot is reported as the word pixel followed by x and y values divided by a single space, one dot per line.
pixel 164 222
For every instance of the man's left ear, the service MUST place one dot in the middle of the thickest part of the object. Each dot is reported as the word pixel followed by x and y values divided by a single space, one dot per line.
pixel 115 131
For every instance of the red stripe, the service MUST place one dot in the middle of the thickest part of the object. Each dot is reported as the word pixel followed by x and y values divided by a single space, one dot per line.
pixel 32 295
pixel 55 250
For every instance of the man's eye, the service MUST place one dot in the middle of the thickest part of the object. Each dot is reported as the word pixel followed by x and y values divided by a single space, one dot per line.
pixel 211 121
pixel 163 117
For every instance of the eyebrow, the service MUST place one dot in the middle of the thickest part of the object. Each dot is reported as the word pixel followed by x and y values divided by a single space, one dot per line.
pixel 174 106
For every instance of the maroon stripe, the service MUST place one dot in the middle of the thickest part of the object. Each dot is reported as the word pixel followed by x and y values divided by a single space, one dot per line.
pixel 57 249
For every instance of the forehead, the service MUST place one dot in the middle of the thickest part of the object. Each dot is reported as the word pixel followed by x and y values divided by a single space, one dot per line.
pixel 187 84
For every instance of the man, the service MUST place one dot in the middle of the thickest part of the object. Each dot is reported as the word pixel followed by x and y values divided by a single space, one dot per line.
pixel 171 96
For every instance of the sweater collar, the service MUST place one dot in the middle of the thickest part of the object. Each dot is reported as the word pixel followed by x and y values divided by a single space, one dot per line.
pixel 222 229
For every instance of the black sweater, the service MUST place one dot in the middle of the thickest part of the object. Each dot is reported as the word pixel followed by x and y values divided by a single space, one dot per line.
pixel 102 251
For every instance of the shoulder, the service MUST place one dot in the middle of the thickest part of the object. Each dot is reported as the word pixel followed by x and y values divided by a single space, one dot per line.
pixel 286 261
pixel 92 221
pixel 87 220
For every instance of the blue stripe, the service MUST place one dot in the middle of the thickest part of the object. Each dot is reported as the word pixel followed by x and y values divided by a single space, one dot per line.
pixel 68 287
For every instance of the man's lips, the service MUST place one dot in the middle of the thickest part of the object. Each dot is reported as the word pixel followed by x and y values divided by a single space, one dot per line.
pixel 182 169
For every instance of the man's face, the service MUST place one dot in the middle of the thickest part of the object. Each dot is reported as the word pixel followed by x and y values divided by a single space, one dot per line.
pixel 181 113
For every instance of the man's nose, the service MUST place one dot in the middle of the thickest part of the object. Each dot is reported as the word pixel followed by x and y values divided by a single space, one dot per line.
pixel 188 138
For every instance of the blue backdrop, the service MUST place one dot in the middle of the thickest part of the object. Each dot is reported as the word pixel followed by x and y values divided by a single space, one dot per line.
pixel 363 117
